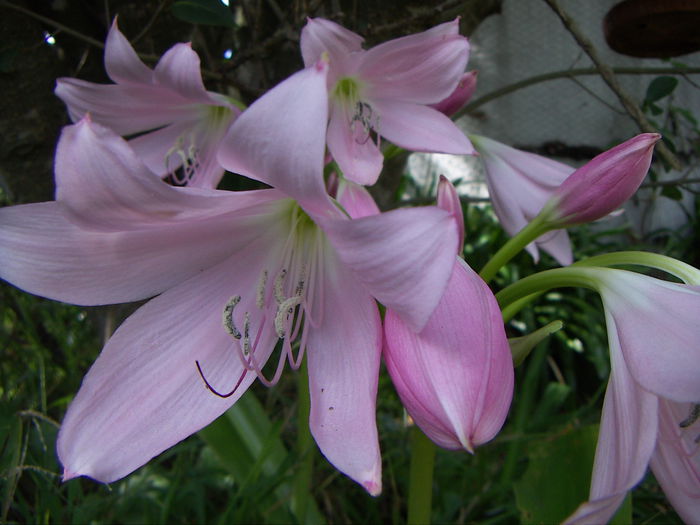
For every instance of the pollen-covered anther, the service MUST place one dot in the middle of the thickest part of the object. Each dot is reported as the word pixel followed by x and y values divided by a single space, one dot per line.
pixel 284 310
pixel 246 334
pixel 186 158
pixel 228 317
pixel 260 297
pixel 368 118
pixel 279 282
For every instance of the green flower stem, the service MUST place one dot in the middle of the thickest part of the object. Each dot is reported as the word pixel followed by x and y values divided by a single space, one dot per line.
pixel 420 492
pixel 305 447
pixel 543 281
pixel 683 271
pixel 513 308
pixel 538 226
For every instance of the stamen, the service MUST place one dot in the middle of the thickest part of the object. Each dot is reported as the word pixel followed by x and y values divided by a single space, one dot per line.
pixel 228 317
pixel 279 280
pixel 246 334
pixel 284 310
pixel 260 298
pixel 692 418
pixel 365 115
pixel 302 282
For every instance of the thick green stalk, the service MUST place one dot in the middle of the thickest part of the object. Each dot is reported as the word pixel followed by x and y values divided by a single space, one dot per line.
pixel 529 233
pixel 420 492
pixel 305 447
pixel 541 282
pixel 683 271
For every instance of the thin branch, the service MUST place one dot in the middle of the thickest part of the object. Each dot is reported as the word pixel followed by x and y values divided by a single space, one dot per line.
pixel 609 77
pixel 675 182
pixel 150 23
pixel 571 73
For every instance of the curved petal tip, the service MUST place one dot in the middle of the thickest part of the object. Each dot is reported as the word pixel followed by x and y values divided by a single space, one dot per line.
pixel 373 487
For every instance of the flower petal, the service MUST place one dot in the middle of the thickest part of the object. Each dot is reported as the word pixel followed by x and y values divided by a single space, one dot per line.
pixel 420 128
pixel 360 161
pixel 325 36
pixel 448 200
pixel 455 377
pixel 343 358
pixel 459 97
pixel 423 68
pixel 676 460
pixel 44 253
pixel 144 393
pixel 626 441
pixel 356 200
pixel 557 244
pixel 283 143
pixel 179 70
pixel 658 327
pixel 121 61
pixel 404 257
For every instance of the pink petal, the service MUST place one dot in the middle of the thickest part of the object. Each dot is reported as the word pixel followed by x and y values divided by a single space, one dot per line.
pixel 344 354
pixel 657 323
pixel 126 109
pixel 423 68
pixel 359 160
pixel 282 143
pixel 676 460
pixel 324 36
pixel 356 200
pixel 626 441
pixel 179 70
pixel 420 128
pixel 144 393
pixel 557 244
pixel 448 200
pixel 404 257
pixel 455 377
pixel 121 61
pixel 44 253
pixel 459 97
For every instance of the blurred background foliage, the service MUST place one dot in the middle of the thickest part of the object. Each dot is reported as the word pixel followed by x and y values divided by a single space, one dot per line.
pixel 240 469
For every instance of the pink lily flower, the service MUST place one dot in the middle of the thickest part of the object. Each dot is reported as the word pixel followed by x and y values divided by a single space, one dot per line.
pixel 649 410
pixel 184 121
pixel 520 184
pixel 237 273
pixel 603 184
pixel 455 376
pixel 387 90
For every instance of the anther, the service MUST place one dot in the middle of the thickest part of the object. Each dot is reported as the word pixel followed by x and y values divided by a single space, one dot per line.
pixel 279 280
pixel 284 310
pixel 301 283
pixel 246 334
pixel 260 297
pixel 692 418
pixel 228 317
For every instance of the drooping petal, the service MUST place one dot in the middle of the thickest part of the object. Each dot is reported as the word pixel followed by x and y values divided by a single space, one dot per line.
pixel 448 200
pixel 325 36
pixel 657 323
pixel 121 62
pixel 423 68
pixel 360 160
pixel 179 69
pixel 676 460
pixel 626 441
pixel 557 244
pixel 420 128
pixel 356 200
pixel 459 97
pixel 404 257
pixel 605 183
pixel 280 139
pixel 343 358
pixel 144 393
pixel 455 377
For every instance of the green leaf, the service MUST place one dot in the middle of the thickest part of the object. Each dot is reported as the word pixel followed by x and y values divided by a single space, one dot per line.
pixel 672 192
pixel 207 12
pixel 659 88
pixel 558 476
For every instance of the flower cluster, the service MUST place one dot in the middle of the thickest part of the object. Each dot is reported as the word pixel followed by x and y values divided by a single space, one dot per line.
pixel 310 268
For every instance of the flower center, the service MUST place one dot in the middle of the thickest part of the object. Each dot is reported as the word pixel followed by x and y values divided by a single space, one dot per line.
pixel 361 117
pixel 284 298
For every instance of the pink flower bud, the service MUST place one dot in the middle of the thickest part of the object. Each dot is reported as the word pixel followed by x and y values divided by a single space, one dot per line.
pixel 455 377
pixel 459 97
pixel 604 184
